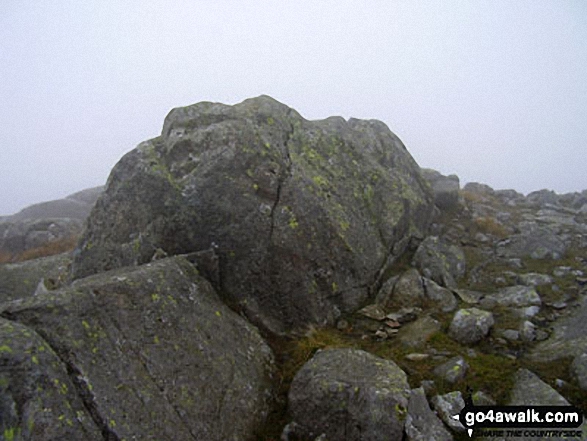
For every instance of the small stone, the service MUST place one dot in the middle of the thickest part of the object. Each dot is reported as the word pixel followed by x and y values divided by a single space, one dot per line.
pixel 528 331
pixel 392 323
pixel 468 296
pixel 373 311
pixel 535 279
pixel 453 370
pixel 391 332
pixel 470 325
pixel 511 335
pixel 480 398
pixel 541 335
pixel 414 356
pixel 342 325
pixel 448 405
pixel 561 271
pixel 382 335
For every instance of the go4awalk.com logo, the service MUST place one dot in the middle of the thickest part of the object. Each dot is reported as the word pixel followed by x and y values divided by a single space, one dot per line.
pixel 528 421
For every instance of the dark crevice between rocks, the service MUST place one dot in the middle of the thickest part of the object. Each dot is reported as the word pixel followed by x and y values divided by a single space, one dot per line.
pixel 281 180
pixel 77 378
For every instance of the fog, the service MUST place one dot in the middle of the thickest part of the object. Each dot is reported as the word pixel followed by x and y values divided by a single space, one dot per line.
pixel 494 91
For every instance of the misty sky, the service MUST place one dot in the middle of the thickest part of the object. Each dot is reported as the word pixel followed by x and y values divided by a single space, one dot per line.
pixel 494 91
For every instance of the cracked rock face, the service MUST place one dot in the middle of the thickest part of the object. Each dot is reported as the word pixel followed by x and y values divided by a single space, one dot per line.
pixel 304 216
pixel 145 353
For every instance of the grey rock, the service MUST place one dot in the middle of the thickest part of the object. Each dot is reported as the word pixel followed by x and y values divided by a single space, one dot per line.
pixel 480 398
pixel 511 335
pixel 471 325
pixel 469 296
pixel 448 405
pixel 38 398
pixel 579 370
pixel 542 197
pixel 416 334
pixel 408 290
pixel 17 237
pixel 439 261
pixel 528 331
pixel 535 279
pixel 452 370
pixel 421 423
pixel 518 296
pixel 535 242
pixel 305 216
pixel 477 188
pixel 530 390
pixel 75 206
pixel 349 394
pixel 20 280
pixel 446 189
pixel 385 293
pixel 153 353
pixel 443 298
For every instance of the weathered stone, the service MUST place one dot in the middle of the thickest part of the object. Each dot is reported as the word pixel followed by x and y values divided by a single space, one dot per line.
pixel 17 237
pixel 518 296
pixel 441 262
pixel 530 390
pixel 535 279
pixel 421 423
pixel 154 354
pixel 38 399
pixel 528 331
pixel 305 216
pixel 542 197
pixel 477 188
pixel 408 290
pixel 20 280
pixel 349 394
pixel 471 325
pixel 446 189
pixel 417 333
pixel 469 296
pixel 452 370
pixel 480 398
pixel 448 405
pixel 373 311
pixel 579 370
pixel 443 298
pixel 75 206
pixel 535 242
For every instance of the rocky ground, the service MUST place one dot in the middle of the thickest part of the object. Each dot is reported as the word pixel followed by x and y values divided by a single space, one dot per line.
pixel 250 274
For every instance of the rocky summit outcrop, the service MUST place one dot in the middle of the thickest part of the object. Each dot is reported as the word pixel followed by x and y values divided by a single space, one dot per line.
pixel 304 216
pixel 146 353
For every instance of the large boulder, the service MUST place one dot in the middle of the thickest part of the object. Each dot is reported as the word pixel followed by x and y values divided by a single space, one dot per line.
pixel 305 216
pixel 348 394
pixel 149 353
